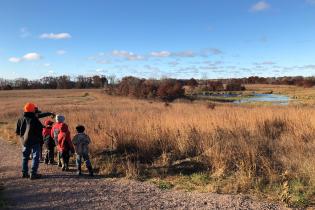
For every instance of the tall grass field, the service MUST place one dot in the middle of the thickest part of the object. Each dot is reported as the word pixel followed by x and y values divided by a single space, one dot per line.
pixel 266 151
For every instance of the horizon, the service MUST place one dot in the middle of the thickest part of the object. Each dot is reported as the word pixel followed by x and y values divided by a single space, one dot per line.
pixel 183 40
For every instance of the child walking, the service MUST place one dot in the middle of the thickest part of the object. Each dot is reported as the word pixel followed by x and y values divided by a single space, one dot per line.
pixel 81 142
pixel 55 132
pixel 48 142
pixel 65 146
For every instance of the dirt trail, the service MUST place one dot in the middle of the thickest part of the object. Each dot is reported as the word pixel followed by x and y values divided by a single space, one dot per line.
pixel 64 190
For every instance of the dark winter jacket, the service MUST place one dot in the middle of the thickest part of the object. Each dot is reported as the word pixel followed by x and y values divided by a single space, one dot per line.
pixel 44 114
pixel 29 128
pixel 48 141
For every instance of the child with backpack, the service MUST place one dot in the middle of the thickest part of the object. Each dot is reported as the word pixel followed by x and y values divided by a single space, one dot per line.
pixel 48 142
pixel 81 142
pixel 65 146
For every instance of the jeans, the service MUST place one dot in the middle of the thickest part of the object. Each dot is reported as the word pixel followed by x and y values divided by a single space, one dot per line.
pixel 26 151
pixel 86 158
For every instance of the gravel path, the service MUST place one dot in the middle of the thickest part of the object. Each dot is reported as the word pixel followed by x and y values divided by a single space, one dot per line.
pixel 64 190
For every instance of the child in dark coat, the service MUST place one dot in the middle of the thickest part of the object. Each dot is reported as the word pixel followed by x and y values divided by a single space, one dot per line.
pixel 48 142
pixel 81 142
pixel 65 146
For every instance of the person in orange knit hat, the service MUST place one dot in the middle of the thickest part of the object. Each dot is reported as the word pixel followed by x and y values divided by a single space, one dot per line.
pixel 29 129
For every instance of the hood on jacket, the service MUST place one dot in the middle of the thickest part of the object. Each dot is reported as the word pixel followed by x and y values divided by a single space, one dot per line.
pixel 64 127
pixel 60 118
pixel 29 114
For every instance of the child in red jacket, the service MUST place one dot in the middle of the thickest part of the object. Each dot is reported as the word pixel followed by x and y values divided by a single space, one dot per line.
pixel 54 133
pixel 65 146
pixel 48 142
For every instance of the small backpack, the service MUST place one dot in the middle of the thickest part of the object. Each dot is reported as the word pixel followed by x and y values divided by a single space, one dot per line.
pixel 56 132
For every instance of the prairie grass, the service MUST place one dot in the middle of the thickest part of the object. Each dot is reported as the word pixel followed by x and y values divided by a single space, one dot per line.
pixel 261 150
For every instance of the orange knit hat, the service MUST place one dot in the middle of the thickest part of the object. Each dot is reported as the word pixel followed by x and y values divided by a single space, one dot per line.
pixel 29 107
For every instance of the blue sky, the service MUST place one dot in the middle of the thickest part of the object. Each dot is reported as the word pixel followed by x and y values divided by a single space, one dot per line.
pixel 166 38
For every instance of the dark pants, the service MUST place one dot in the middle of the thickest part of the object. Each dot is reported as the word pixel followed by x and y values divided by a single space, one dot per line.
pixel 64 159
pixel 27 150
pixel 41 152
pixel 85 158
pixel 49 154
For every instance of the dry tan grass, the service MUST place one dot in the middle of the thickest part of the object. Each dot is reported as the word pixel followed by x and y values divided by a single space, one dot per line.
pixel 243 148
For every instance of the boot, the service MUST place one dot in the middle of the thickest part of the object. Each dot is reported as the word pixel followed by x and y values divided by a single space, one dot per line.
pixel 79 171
pixel 46 161
pixel 90 171
pixel 63 165
pixel 59 160
pixel 25 175
pixel 35 176
pixel 66 165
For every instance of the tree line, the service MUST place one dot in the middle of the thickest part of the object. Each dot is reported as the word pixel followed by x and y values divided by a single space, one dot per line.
pixel 165 89
pixel 288 80
pixel 60 82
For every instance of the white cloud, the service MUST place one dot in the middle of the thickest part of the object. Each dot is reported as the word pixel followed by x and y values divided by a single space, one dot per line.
pixel 265 63
pixel 127 55
pixel 61 52
pixel 47 64
pixel 268 63
pixel 152 68
pixel 309 67
pixel 184 54
pixel 15 60
pixel 55 36
pixel 100 70
pixel 24 32
pixel 33 56
pixel 160 54
pixel 213 51
pixel 260 6
pixel 103 61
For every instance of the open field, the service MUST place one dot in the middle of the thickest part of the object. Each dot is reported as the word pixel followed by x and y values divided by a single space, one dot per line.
pixel 262 150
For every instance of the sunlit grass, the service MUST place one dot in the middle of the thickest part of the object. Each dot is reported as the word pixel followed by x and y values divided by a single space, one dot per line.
pixel 228 149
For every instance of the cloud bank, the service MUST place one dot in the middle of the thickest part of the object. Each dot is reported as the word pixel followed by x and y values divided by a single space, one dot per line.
pixel 260 6
pixel 55 36
pixel 33 56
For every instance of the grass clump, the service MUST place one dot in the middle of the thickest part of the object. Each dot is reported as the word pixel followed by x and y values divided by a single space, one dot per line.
pixel 162 184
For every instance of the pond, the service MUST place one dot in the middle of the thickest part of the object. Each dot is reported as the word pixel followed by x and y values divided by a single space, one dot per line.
pixel 272 98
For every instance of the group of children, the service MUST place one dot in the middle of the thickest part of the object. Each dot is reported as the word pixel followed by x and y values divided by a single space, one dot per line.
pixel 58 134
